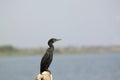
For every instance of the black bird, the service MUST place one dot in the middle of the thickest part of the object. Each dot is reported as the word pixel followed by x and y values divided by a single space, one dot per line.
pixel 47 58
pixel 46 61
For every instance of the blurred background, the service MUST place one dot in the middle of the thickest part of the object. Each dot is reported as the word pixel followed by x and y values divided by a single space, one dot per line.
pixel 89 30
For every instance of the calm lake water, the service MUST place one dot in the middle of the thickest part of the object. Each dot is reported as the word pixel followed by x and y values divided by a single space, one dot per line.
pixel 64 67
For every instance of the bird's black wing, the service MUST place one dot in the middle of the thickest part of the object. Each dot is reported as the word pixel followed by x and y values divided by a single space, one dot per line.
pixel 46 60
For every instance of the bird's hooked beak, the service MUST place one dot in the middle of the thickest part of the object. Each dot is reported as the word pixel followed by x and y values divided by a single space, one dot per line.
pixel 58 39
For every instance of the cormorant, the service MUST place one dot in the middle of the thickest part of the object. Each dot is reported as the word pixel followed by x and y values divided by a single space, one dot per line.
pixel 46 60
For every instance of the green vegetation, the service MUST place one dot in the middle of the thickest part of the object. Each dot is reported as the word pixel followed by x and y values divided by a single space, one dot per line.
pixel 8 50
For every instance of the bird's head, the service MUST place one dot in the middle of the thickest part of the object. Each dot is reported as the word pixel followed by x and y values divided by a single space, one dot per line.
pixel 52 40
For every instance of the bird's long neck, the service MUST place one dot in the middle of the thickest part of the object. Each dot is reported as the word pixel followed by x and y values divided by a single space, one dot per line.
pixel 51 45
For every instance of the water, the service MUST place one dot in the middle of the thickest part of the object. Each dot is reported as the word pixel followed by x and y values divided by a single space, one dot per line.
pixel 63 67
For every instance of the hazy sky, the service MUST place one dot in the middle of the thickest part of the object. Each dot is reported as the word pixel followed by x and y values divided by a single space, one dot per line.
pixel 30 23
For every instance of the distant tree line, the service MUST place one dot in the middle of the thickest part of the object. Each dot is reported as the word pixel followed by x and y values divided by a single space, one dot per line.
pixel 7 48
